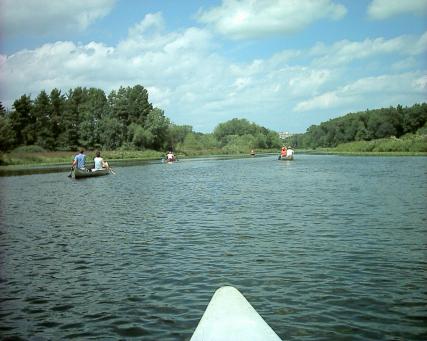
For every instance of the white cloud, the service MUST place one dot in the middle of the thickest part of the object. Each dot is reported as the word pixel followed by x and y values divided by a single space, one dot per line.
pixel 345 52
pixel 151 22
pixel 149 36
pixel 384 9
pixel 380 90
pixel 420 84
pixel 247 19
pixel 41 17
pixel 187 76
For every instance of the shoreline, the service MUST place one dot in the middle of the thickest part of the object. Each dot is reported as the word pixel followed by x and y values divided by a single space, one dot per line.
pixel 57 167
pixel 349 153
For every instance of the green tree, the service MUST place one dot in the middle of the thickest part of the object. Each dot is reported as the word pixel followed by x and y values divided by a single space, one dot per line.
pixel 129 105
pixel 111 137
pixel 139 106
pixel 414 118
pixel 57 124
pixel 42 112
pixel 157 124
pixel 177 134
pixel 141 138
pixel 92 110
pixel 273 140
pixel 22 120
pixel 7 134
pixel 71 119
pixel 2 110
pixel 233 127
pixel 192 141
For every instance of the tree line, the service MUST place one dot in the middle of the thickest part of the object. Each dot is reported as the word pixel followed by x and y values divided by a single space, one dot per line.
pixel 364 126
pixel 87 117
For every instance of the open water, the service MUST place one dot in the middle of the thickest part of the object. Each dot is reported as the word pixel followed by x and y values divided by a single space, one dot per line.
pixel 324 247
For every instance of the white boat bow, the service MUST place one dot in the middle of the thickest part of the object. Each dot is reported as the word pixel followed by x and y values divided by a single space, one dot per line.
pixel 230 317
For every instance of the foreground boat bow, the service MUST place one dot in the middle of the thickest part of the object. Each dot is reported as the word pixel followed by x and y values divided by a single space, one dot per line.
pixel 229 316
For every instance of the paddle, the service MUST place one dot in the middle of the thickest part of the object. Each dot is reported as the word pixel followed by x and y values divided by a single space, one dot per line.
pixel 111 171
pixel 71 172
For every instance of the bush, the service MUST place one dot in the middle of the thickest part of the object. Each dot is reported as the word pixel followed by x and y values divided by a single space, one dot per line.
pixel 407 143
pixel 29 149
pixel 422 130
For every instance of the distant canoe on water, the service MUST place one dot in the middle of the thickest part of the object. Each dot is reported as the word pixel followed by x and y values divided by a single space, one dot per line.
pixel 230 317
pixel 86 173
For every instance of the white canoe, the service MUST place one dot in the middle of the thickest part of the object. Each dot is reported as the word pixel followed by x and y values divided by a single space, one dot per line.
pixel 230 317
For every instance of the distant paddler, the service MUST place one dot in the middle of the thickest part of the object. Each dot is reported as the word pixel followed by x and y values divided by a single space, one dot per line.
pixel 289 152
pixel 170 157
pixel 283 152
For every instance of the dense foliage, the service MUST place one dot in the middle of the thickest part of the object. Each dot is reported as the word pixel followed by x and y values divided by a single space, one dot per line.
pixel 364 126
pixel 125 119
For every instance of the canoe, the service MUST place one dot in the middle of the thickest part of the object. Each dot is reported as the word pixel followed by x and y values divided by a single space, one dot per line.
pixel 86 173
pixel 169 161
pixel 229 316
pixel 286 158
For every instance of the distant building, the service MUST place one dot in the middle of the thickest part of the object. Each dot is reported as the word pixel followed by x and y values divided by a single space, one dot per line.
pixel 284 134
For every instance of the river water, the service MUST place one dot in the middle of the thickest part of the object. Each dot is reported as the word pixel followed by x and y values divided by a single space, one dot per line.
pixel 324 247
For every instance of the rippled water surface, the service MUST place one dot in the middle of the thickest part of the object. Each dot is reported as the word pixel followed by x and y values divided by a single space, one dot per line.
pixel 324 247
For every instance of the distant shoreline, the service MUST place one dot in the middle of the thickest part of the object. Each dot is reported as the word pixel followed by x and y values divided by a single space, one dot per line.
pixel 349 153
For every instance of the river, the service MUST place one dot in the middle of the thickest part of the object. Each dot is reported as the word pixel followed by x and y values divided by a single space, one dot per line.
pixel 324 247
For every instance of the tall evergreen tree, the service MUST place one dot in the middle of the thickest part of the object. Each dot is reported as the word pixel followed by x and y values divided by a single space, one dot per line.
pixel 71 121
pixel 23 123
pixel 92 111
pixel 42 112
pixel 2 110
pixel 7 134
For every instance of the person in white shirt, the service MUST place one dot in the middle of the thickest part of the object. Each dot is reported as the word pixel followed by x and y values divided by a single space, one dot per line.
pixel 289 152
pixel 170 156
pixel 99 162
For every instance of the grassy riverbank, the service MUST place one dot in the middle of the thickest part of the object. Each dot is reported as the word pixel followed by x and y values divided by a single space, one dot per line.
pixel 410 144
pixel 18 157
pixel 333 151
pixel 32 157
pixel 24 161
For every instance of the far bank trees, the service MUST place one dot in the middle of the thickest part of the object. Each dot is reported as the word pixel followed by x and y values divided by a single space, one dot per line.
pixel 364 126
pixel 87 117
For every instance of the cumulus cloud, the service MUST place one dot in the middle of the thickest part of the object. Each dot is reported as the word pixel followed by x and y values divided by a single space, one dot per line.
pixel 384 9
pixel 188 78
pixel 248 19
pixel 41 17
pixel 380 90
pixel 345 51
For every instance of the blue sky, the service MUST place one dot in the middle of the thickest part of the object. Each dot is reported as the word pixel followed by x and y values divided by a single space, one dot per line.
pixel 283 64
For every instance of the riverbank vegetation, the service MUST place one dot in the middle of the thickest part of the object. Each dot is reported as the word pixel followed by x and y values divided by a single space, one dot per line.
pixel 125 125
pixel 35 155
pixel 400 129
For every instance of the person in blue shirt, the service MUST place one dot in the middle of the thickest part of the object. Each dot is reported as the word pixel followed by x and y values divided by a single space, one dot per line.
pixel 79 160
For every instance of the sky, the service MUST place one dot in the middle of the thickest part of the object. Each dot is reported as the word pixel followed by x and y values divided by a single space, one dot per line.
pixel 283 64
